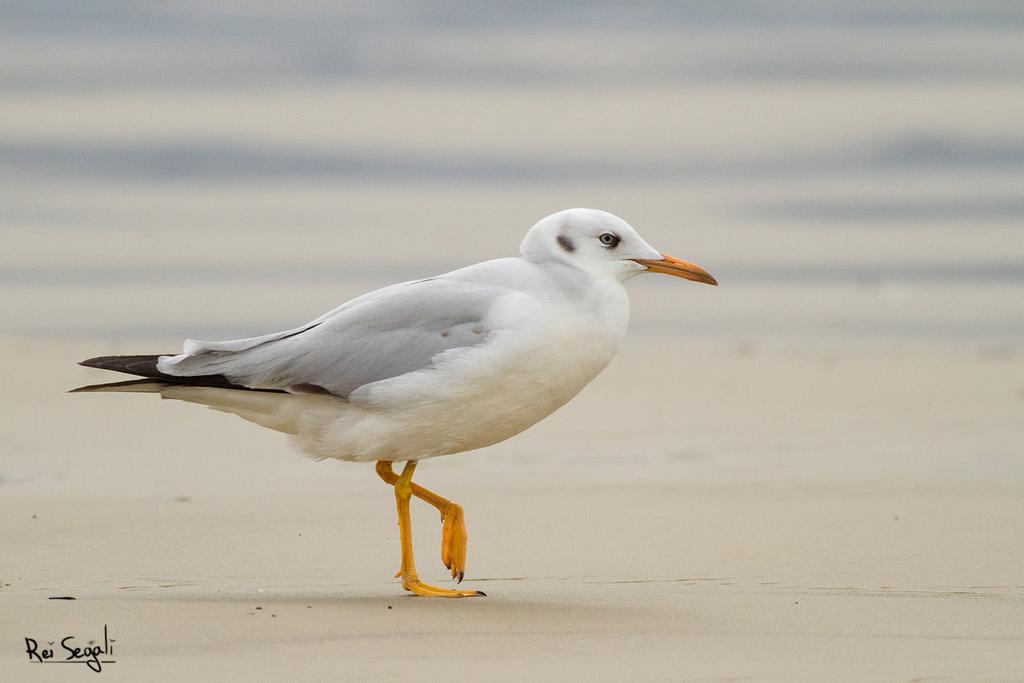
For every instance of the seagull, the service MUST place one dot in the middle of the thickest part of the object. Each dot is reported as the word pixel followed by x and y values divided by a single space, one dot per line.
pixel 431 367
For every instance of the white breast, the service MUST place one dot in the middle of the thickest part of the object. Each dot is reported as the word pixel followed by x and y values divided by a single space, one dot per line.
pixel 544 353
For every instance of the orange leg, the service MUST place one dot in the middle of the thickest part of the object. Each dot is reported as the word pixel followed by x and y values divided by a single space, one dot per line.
pixel 452 551
pixel 453 523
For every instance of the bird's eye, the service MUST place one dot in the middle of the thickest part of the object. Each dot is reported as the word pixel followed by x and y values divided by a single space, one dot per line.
pixel 609 239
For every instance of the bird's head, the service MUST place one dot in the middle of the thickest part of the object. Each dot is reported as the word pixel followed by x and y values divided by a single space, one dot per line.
pixel 602 243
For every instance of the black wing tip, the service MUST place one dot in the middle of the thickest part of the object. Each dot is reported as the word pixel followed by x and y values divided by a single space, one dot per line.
pixel 138 365
pixel 145 366
pixel 120 362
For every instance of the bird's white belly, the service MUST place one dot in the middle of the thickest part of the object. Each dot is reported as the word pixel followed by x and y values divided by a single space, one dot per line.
pixel 478 396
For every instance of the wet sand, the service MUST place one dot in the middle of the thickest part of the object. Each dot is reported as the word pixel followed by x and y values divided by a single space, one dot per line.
pixel 844 513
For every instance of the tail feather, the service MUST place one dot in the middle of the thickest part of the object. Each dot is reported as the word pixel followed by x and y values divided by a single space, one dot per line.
pixel 141 386
pixel 145 366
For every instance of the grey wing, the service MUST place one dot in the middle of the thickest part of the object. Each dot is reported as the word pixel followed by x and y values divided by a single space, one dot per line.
pixel 383 334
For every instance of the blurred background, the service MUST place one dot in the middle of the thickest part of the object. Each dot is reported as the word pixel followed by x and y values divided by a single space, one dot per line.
pixel 848 171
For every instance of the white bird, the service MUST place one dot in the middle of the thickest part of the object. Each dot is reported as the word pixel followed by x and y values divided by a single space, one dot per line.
pixel 430 367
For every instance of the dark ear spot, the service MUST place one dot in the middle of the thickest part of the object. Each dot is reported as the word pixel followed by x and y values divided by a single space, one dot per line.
pixel 566 243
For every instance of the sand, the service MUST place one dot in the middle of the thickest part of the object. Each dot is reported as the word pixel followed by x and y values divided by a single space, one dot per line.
pixel 840 513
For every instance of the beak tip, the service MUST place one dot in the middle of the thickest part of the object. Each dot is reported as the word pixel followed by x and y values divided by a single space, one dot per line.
pixel 674 266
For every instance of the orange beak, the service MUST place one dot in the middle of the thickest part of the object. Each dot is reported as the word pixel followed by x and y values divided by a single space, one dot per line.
pixel 670 265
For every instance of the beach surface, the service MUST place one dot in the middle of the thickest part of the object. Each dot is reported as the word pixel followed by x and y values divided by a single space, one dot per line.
pixel 848 514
